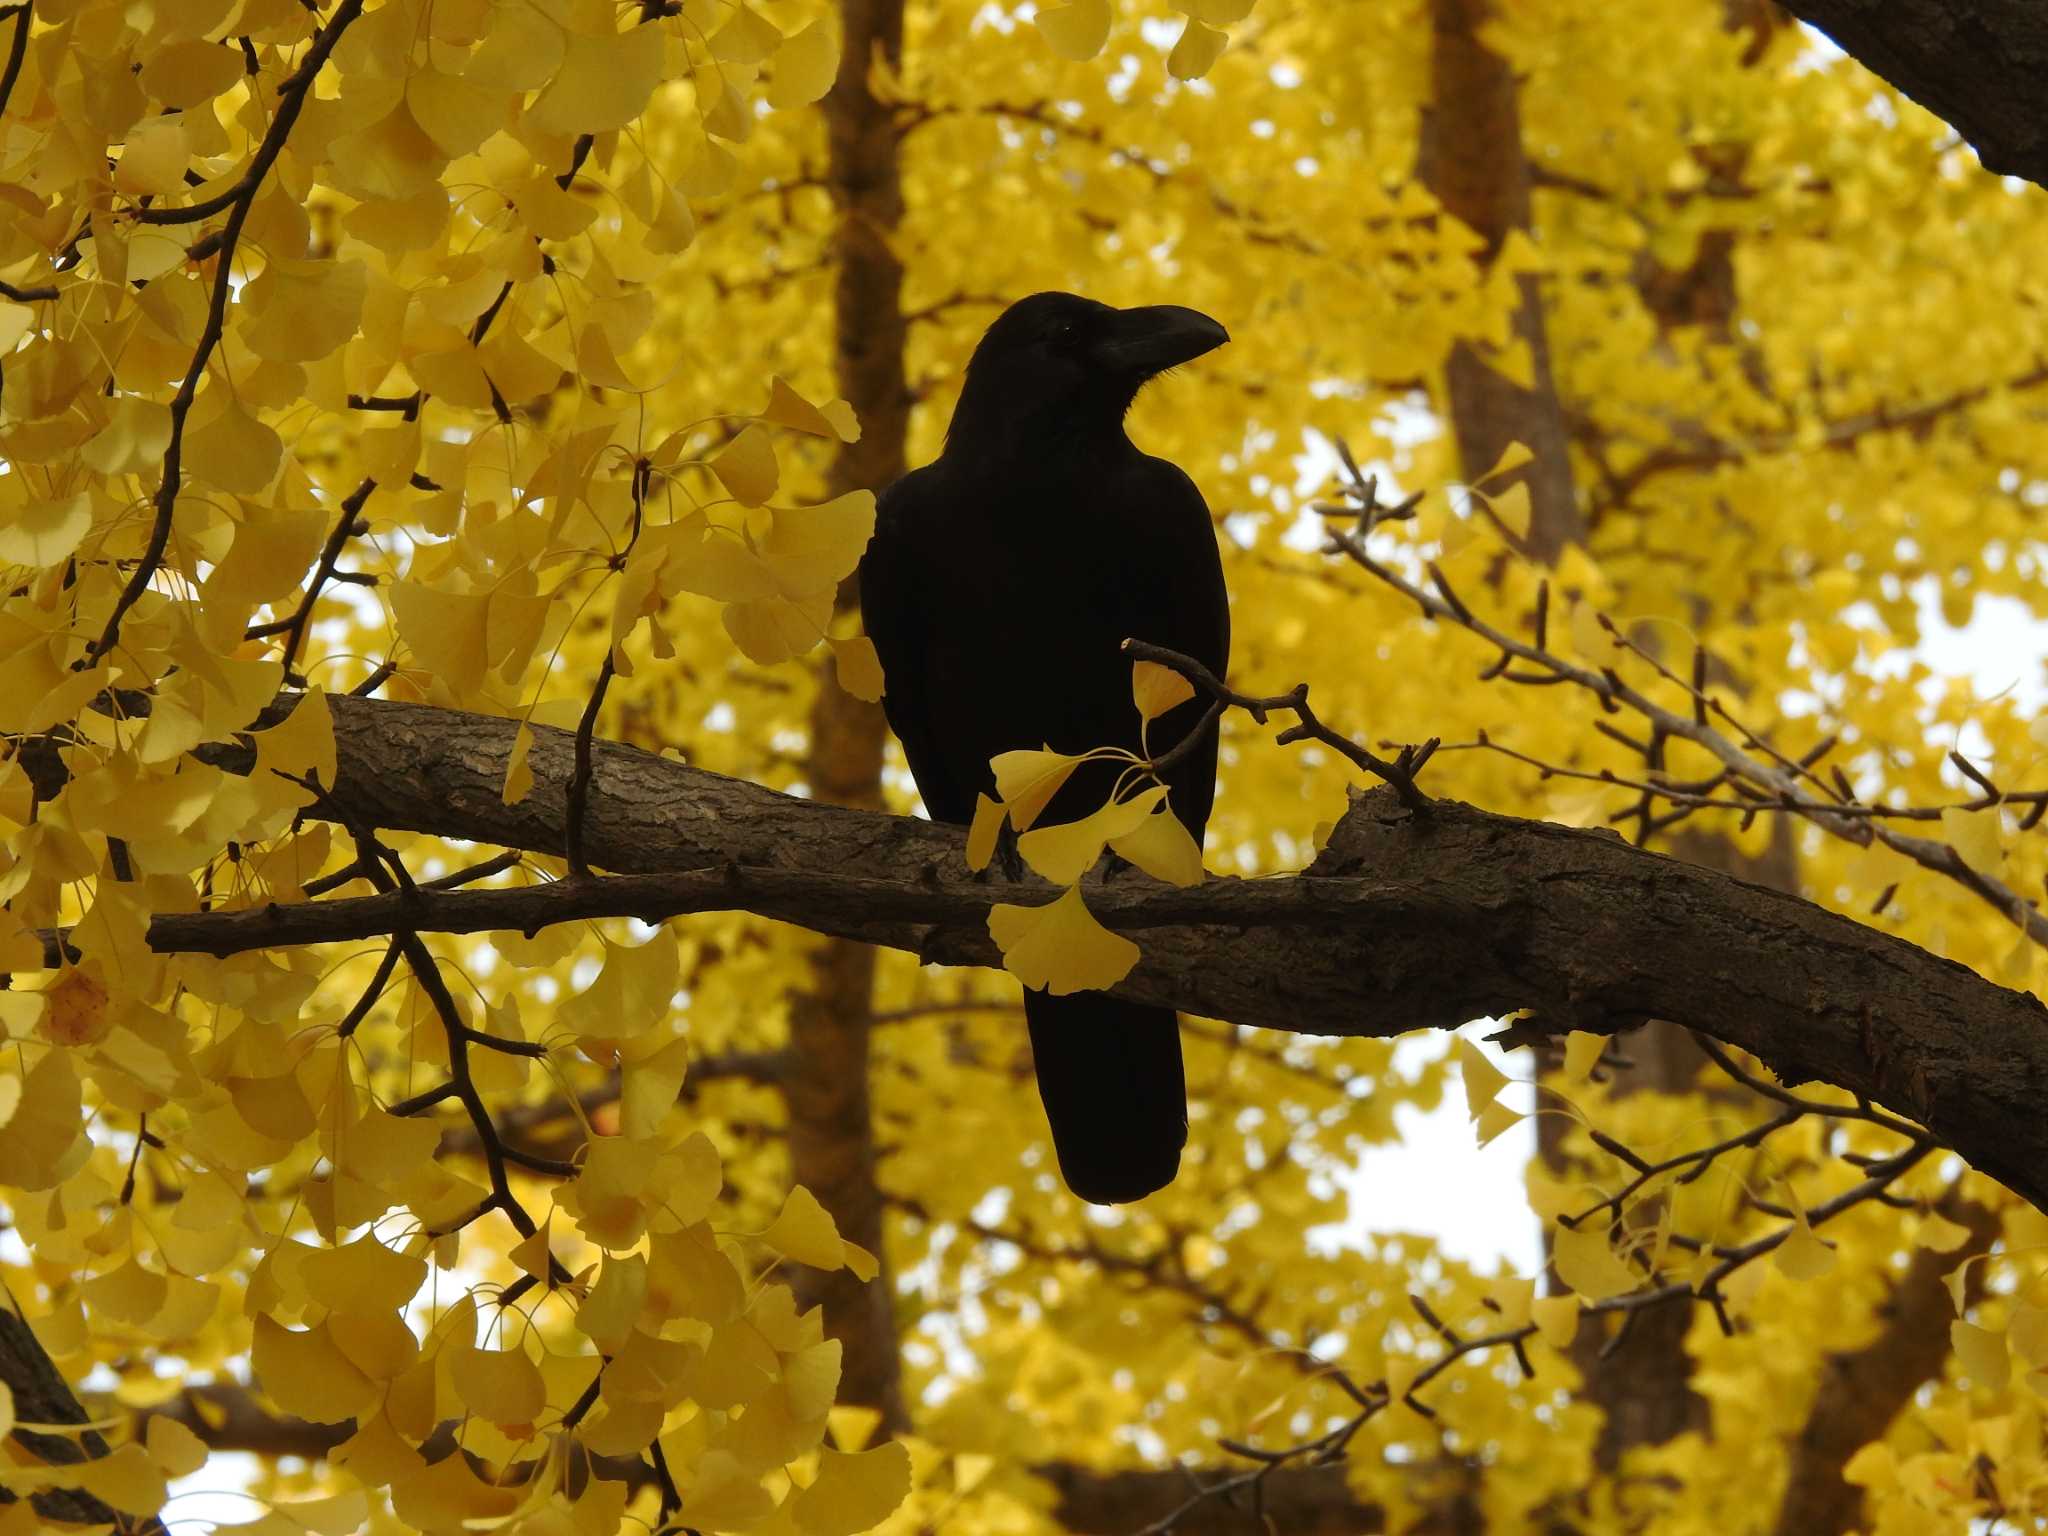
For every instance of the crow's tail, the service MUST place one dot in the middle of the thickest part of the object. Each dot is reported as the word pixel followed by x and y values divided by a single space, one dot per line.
pixel 1110 1075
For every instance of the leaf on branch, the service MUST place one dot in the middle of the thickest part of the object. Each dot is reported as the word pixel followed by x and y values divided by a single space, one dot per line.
pixel 1027 780
pixel 1556 1319
pixel 805 66
pixel 787 408
pixel 45 531
pixel 1982 1352
pixel 805 1231
pixel 1163 847
pixel 1975 836
pixel 1197 51
pixel 1065 852
pixel 1060 947
pixel 604 82
pixel 1589 1265
pixel 1075 31
pixel 747 468
pixel 1512 457
pixel 853 1492
pixel 1582 1052
pixel 1803 1255
pixel 1156 689
pixel 981 836
pixel 1483 1080
pixel 858 667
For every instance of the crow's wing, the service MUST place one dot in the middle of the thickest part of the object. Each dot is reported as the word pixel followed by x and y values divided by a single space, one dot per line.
pixel 897 573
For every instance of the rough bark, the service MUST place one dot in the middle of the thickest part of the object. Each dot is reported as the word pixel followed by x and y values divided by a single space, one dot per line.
pixel 1978 63
pixel 41 1395
pixel 1407 920
pixel 831 1134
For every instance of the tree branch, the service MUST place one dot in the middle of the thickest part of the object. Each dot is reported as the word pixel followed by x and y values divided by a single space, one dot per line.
pixel 1405 921
pixel 1977 63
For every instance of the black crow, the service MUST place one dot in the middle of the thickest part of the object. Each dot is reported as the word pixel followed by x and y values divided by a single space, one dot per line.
pixel 1001 583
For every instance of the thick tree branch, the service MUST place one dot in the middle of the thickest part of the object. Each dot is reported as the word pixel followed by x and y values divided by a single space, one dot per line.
pixel 1407 920
pixel 1977 63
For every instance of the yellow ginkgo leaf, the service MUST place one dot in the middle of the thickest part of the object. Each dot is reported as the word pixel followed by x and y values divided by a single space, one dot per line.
pixel 1871 1467
pixel 1028 779
pixel 631 994
pixel 380 1346
pixel 1982 1352
pixel 607 1315
pixel 43 1141
pixel 805 66
pixel 1076 31
pixel 187 72
pixel 1589 1265
pixel 853 1493
pixel 787 408
pixel 809 549
pixel 455 113
pixel 857 666
pixel 1975 836
pixel 45 531
pixel 981 836
pixel 268 558
pixel 805 1231
pixel 501 1385
pixel 1803 1255
pixel 236 452
pixel 648 1085
pixel 778 629
pixel 135 437
pixel 604 82
pixel 1556 1319
pixel 448 631
pixel 1582 1051
pixel 1512 1298
pixel 307 1375
pixel 1060 947
pixel 1163 847
pixel 1935 1231
pixel 1156 689
pixel 746 467
pixel 1065 852
pixel 1196 53
pixel 519 767
pixel 304 310
pixel 126 1479
pixel 1512 457
pixel 2027 1327
pixel 364 1276
pixel 1494 1121
pixel 173 1447
pixel 1483 1080
pixel 1512 506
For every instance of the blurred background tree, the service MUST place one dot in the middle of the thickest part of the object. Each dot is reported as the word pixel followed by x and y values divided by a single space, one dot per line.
pixel 404 346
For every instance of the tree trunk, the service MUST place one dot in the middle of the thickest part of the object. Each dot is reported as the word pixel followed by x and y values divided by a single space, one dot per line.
pixel 831 1133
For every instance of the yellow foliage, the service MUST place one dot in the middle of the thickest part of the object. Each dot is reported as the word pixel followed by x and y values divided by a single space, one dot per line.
pixel 453 350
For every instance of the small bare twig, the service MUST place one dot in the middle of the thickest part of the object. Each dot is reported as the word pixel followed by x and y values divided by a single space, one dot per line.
pixel 1399 773
pixel 1767 779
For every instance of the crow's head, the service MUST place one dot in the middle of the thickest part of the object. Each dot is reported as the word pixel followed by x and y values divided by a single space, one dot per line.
pixel 1058 356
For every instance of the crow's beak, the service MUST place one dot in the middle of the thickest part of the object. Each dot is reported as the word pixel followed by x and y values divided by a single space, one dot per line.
pixel 1148 340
